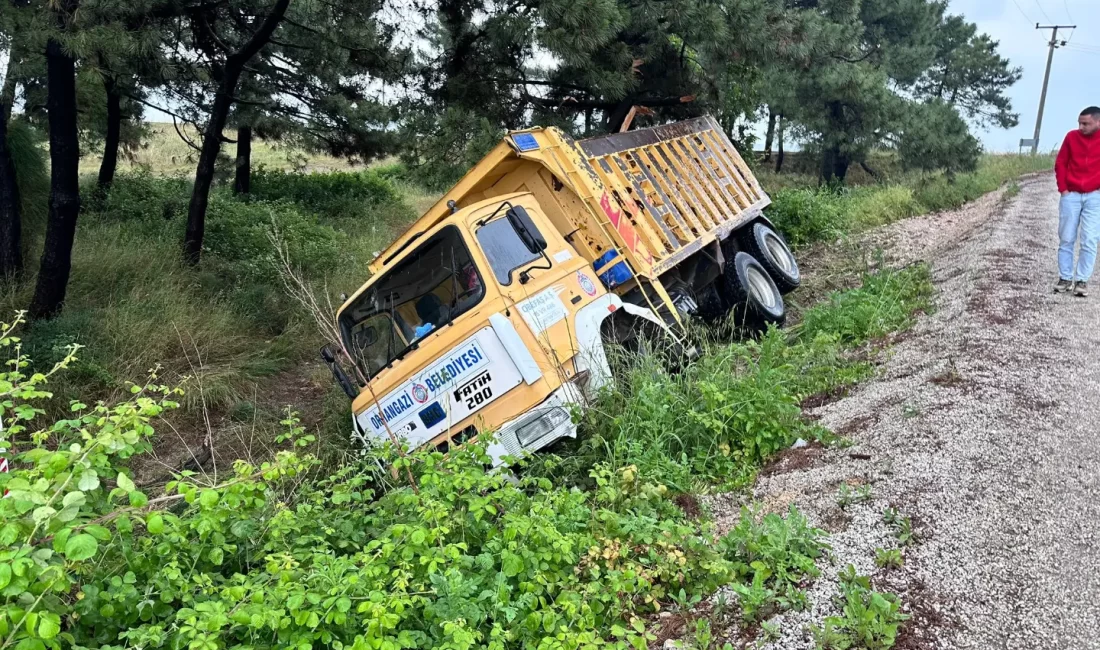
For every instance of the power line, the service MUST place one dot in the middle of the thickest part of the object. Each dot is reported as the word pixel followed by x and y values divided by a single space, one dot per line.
pixel 1043 11
pixel 1065 3
pixel 1022 12
pixel 1080 51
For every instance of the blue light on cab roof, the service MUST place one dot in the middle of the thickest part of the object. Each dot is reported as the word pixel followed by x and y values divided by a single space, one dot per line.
pixel 525 141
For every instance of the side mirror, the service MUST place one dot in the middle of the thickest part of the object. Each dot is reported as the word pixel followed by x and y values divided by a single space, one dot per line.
pixel 338 373
pixel 530 236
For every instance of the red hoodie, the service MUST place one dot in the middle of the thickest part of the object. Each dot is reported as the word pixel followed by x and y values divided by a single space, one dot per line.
pixel 1078 165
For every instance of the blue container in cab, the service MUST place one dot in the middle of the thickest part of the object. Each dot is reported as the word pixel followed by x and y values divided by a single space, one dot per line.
pixel 617 274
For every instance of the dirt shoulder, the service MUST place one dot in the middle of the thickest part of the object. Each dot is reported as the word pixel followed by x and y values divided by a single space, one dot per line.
pixel 980 428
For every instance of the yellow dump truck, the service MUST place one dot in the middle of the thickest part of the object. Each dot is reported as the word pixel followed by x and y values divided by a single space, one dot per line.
pixel 493 310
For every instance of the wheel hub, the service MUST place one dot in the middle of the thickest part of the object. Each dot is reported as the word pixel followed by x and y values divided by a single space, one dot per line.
pixel 778 252
pixel 760 288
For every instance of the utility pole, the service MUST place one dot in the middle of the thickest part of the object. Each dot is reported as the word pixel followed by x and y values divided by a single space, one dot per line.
pixel 1054 44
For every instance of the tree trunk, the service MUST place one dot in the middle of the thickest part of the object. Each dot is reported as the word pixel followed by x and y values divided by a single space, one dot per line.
pixel 11 238
pixel 57 252
pixel 7 92
pixel 782 154
pixel 617 115
pixel 212 136
pixel 834 166
pixel 770 137
pixel 204 172
pixel 114 129
pixel 242 179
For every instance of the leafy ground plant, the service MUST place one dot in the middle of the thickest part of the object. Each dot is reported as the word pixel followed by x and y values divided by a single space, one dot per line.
pixel 284 554
pixel 869 620
pixel 773 558
pixel 902 526
pixel 847 495
pixel 889 558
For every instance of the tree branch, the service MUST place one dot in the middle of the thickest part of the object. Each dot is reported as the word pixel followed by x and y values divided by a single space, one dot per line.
pixel 262 35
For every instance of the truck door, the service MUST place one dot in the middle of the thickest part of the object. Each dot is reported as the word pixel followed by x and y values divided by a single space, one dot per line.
pixel 542 288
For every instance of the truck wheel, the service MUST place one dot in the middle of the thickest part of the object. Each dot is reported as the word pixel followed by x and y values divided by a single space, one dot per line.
pixel 753 293
pixel 774 255
pixel 712 306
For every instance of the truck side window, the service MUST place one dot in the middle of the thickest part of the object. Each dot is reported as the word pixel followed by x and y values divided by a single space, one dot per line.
pixel 504 249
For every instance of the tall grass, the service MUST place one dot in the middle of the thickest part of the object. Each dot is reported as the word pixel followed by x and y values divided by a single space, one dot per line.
pixel 718 419
pixel 228 324
pixel 809 214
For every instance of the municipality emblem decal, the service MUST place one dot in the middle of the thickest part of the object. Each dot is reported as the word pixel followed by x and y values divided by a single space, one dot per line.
pixel 420 393
pixel 586 283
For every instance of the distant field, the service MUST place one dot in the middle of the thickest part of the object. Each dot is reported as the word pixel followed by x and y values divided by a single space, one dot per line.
pixel 166 153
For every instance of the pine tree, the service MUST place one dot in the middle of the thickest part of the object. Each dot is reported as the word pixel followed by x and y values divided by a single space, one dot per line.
pixel 970 74
pixel 53 271
pixel 307 71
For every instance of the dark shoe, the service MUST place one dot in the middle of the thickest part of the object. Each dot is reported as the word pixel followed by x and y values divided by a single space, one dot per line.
pixel 1081 290
pixel 1063 286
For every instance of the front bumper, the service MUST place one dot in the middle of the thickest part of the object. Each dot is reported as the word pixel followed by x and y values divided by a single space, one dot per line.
pixel 513 438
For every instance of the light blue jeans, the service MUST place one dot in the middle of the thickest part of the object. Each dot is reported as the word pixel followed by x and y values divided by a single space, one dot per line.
pixel 1080 221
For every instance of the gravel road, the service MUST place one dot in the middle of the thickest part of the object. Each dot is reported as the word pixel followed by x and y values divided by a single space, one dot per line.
pixel 983 427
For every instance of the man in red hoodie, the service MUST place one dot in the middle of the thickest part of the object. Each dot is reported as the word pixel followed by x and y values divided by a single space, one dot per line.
pixel 1078 173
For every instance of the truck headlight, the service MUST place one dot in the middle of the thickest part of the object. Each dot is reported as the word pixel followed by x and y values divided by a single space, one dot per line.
pixel 541 425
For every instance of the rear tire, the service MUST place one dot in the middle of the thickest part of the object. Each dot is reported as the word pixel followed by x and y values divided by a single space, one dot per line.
pixel 770 249
pixel 756 299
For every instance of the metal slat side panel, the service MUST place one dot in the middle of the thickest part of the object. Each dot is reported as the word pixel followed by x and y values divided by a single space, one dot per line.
pixel 655 199
pixel 718 202
pixel 689 152
pixel 653 214
pixel 689 209
pixel 689 179
pixel 729 165
pixel 733 153
pixel 705 216
pixel 610 179
pixel 721 175
pixel 671 199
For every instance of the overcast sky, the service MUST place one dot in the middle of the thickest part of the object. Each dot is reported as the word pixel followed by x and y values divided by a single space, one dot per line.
pixel 1075 77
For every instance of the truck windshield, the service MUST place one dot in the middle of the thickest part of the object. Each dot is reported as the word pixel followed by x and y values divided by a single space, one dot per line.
pixel 428 289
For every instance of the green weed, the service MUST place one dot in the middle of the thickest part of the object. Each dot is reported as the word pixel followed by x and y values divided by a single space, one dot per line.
pixel 887 302
pixel 889 558
pixel 902 525
pixel 773 558
pixel 869 619
pixel 847 495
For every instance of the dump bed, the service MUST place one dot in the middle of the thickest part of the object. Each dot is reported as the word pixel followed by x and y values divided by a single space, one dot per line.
pixel 690 181
pixel 656 195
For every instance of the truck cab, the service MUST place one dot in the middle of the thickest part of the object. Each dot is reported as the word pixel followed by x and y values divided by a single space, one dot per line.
pixel 489 314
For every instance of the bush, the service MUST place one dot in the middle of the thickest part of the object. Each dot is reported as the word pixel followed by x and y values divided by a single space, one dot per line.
pixel 239 233
pixel 139 197
pixel 332 194
pixel 809 215
pixel 281 555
